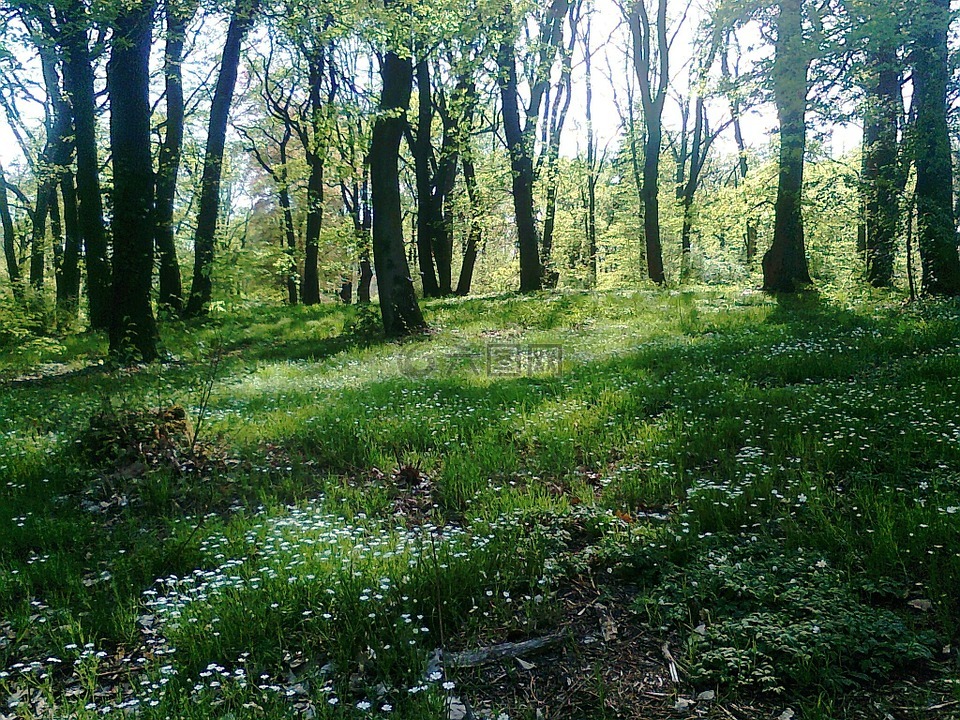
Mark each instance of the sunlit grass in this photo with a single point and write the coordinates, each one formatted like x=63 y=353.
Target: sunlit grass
x=680 y=425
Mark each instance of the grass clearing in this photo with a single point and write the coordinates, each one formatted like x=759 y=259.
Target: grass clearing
x=770 y=487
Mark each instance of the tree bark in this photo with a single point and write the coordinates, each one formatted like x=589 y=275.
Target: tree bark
x=398 y=301
x=936 y=226
x=422 y=149
x=78 y=81
x=554 y=124
x=881 y=167
x=288 y=226
x=521 y=165
x=38 y=234
x=201 y=289
x=474 y=231
x=785 y=263
x=57 y=159
x=688 y=193
x=68 y=275
x=9 y=240
x=133 y=332
x=653 y=74
x=313 y=141
x=457 y=113
x=593 y=169
x=178 y=16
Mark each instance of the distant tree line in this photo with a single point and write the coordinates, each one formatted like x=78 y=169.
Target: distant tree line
x=373 y=122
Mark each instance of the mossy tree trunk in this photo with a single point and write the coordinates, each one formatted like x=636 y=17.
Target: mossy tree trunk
x=398 y=301
x=78 y=79
x=133 y=332
x=785 y=263
x=936 y=225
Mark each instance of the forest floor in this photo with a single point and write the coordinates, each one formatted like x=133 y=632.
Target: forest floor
x=616 y=505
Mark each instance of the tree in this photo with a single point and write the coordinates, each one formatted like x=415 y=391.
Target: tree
x=875 y=36
x=398 y=301
x=593 y=163
x=178 y=14
x=55 y=176
x=352 y=136
x=471 y=247
x=436 y=172
x=314 y=138
x=936 y=224
x=133 y=332
x=651 y=62
x=73 y=25
x=278 y=96
x=421 y=145
x=785 y=263
x=521 y=135
x=556 y=108
x=732 y=86
x=9 y=239
x=201 y=288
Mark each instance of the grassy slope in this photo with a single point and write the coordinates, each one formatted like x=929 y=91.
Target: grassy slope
x=774 y=483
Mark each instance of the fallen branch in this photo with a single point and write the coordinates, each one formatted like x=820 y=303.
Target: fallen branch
x=672 y=664
x=494 y=653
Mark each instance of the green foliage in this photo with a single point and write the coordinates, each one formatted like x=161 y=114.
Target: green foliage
x=781 y=620
x=691 y=446
x=23 y=328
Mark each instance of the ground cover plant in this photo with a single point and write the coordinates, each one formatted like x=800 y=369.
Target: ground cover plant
x=717 y=503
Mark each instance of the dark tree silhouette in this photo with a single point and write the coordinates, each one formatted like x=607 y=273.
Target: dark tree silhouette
x=133 y=331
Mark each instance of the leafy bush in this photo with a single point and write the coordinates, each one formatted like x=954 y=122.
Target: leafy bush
x=21 y=326
x=768 y=619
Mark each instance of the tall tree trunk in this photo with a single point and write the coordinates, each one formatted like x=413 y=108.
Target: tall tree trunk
x=636 y=162
x=592 y=168
x=201 y=289
x=474 y=231
x=651 y=205
x=38 y=235
x=365 y=214
x=68 y=278
x=442 y=214
x=313 y=145
x=785 y=263
x=398 y=301
x=936 y=226
x=289 y=229
x=310 y=288
x=178 y=16
x=689 y=190
x=133 y=332
x=881 y=167
x=78 y=82
x=9 y=239
x=736 y=114
x=554 y=124
x=752 y=232
x=66 y=238
x=366 y=278
x=422 y=149
x=356 y=203
x=653 y=74
x=457 y=115
x=57 y=242
x=521 y=165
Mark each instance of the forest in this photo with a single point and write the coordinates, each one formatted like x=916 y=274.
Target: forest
x=460 y=359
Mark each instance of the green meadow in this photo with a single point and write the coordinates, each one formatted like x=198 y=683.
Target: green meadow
x=707 y=504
